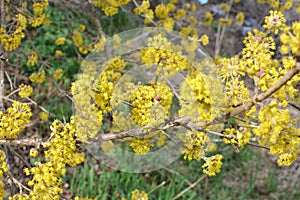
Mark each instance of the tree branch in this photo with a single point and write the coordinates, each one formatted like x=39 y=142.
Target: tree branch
x=288 y=76
x=21 y=142
x=2 y=60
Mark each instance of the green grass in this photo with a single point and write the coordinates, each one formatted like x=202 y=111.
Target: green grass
x=240 y=178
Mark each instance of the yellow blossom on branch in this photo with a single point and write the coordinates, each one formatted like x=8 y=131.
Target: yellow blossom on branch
x=208 y=19
x=225 y=22
x=204 y=39
x=212 y=165
x=44 y=116
x=161 y=11
x=224 y=7
x=25 y=90
x=77 y=38
x=13 y=122
x=38 y=78
x=141 y=145
x=58 y=53
x=32 y=58
x=240 y=18
x=57 y=74
x=60 y=41
x=275 y=22
x=194 y=143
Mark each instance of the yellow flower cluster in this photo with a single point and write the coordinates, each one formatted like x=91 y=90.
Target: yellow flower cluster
x=38 y=78
x=166 y=14
x=32 y=58
x=179 y=14
x=276 y=131
x=161 y=11
x=60 y=41
x=239 y=18
x=291 y=39
x=212 y=165
x=82 y=27
x=159 y=51
x=77 y=38
x=195 y=98
x=141 y=145
x=57 y=74
x=278 y=5
x=193 y=20
x=3 y=169
x=225 y=21
x=39 y=16
x=142 y=8
x=62 y=148
x=106 y=81
x=99 y=46
x=208 y=19
x=25 y=90
x=230 y=68
x=58 y=53
x=224 y=7
x=13 y=122
x=44 y=116
x=204 y=39
x=145 y=11
x=194 y=143
x=46 y=180
x=289 y=90
x=274 y=22
x=110 y=7
x=33 y=152
x=139 y=195
x=167 y=23
x=257 y=52
x=236 y=92
x=287 y=159
x=88 y=117
x=11 y=41
x=150 y=104
x=78 y=41
x=20 y=197
x=239 y=137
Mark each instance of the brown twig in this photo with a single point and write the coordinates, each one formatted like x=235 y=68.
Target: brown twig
x=288 y=76
x=258 y=145
x=21 y=142
x=2 y=61
x=188 y=188
x=97 y=22
x=143 y=130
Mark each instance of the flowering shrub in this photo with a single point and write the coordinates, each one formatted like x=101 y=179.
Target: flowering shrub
x=145 y=97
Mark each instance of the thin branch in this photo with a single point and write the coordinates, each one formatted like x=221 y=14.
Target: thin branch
x=2 y=61
x=143 y=130
x=3 y=14
x=97 y=22
x=178 y=174
x=21 y=142
x=258 y=145
x=294 y=105
x=288 y=76
x=9 y=80
x=188 y=188
x=215 y=133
